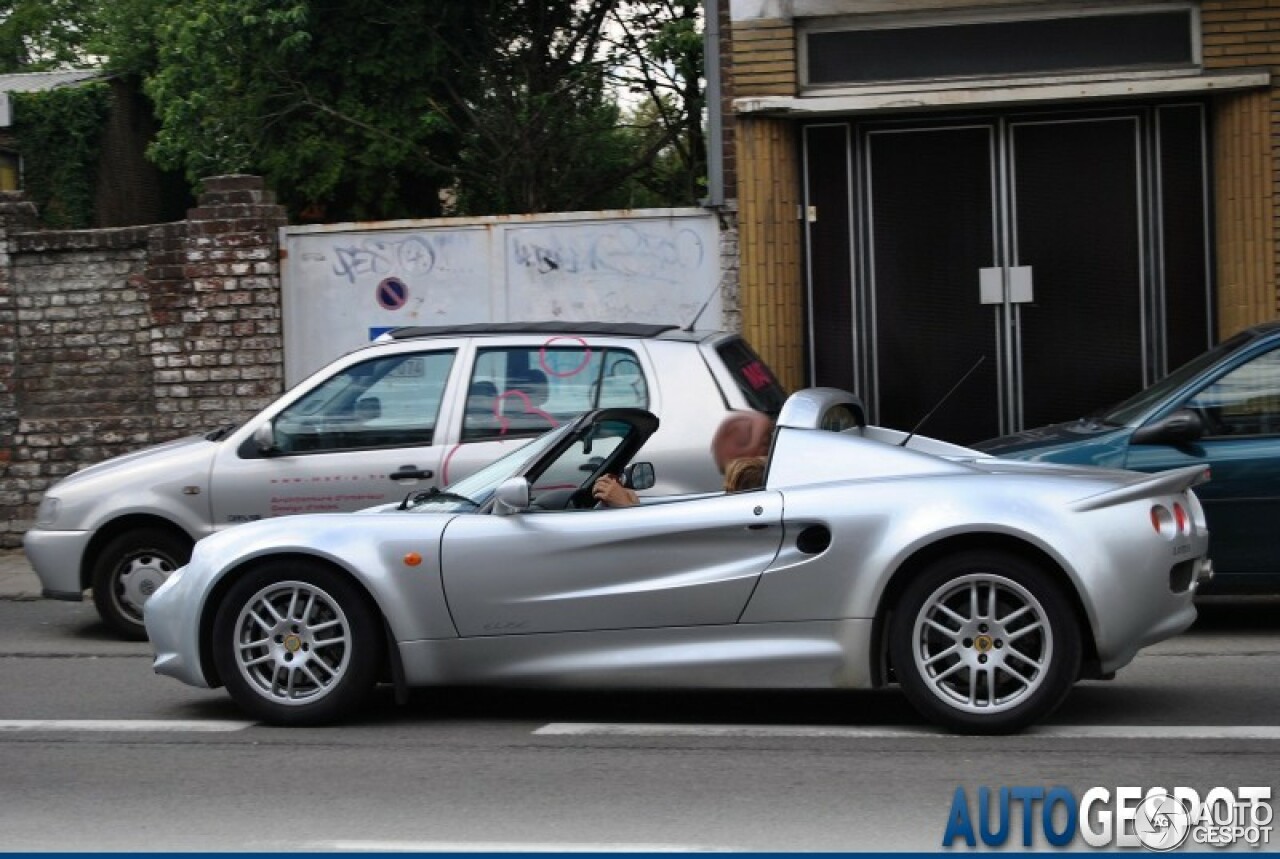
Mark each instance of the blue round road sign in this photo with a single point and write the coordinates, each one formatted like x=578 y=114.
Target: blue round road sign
x=392 y=293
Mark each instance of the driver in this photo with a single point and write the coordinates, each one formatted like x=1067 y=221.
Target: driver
x=740 y=448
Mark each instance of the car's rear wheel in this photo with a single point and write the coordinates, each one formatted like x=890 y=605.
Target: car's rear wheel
x=128 y=571
x=297 y=644
x=985 y=642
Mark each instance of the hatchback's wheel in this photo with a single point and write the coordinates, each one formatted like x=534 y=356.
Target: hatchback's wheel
x=297 y=644
x=984 y=642
x=128 y=571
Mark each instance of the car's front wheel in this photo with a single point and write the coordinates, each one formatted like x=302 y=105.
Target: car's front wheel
x=297 y=644
x=984 y=642
x=128 y=571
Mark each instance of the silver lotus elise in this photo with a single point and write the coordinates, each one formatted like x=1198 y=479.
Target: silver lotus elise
x=984 y=588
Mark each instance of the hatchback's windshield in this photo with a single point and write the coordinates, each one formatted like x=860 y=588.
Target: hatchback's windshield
x=1136 y=407
x=475 y=490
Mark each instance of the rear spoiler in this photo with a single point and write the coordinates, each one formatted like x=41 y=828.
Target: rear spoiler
x=1170 y=482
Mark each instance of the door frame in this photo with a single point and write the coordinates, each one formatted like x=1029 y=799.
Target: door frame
x=1153 y=341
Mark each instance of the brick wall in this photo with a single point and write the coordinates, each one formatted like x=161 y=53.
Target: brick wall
x=728 y=129
x=114 y=339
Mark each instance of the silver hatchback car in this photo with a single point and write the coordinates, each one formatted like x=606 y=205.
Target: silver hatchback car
x=419 y=408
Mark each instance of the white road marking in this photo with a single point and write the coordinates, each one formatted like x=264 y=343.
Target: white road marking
x=502 y=846
x=136 y=725
x=498 y=847
x=1064 y=732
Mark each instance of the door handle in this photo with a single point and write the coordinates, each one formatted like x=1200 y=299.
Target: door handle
x=992 y=285
x=409 y=472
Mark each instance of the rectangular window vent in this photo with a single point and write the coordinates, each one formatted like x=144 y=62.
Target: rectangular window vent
x=1136 y=40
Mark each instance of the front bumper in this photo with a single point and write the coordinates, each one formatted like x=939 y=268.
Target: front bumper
x=172 y=617
x=57 y=557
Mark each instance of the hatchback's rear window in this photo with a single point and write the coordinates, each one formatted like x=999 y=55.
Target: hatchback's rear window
x=754 y=378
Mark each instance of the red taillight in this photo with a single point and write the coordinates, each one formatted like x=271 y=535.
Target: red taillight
x=1180 y=518
x=1161 y=520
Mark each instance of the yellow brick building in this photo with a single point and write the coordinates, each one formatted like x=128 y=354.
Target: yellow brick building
x=1075 y=196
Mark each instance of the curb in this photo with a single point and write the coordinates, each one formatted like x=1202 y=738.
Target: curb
x=17 y=580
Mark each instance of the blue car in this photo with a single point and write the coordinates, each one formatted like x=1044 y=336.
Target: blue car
x=1222 y=410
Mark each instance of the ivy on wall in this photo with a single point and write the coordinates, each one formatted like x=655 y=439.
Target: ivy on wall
x=58 y=134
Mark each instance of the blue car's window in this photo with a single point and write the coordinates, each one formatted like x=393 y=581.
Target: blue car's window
x=1139 y=405
x=1244 y=402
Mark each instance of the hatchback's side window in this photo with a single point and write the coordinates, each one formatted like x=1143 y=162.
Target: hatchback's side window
x=527 y=390
x=1244 y=402
x=392 y=401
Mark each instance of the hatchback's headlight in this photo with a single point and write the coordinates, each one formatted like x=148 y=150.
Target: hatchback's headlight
x=48 y=511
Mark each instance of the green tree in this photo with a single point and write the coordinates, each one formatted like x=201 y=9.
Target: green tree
x=59 y=131
x=41 y=35
x=363 y=109
x=548 y=132
x=541 y=134
x=659 y=48
x=334 y=101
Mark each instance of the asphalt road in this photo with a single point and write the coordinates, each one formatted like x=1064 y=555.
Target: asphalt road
x=97 y=753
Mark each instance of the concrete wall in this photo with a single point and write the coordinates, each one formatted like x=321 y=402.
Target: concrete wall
x=114 y=339
x=346 y=283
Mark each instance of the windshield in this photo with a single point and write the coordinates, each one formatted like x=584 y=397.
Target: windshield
x=1134 y=409
x=472 y=492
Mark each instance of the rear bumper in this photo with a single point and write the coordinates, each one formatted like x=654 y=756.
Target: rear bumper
x=57 y=557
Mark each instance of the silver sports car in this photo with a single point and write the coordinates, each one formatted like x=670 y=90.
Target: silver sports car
x=983 y=587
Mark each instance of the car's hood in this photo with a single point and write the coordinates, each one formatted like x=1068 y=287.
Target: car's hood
x=173 y=457
x=1081 y=442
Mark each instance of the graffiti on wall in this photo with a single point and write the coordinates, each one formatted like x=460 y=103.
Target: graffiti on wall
x=635 y=271
x=341 y=287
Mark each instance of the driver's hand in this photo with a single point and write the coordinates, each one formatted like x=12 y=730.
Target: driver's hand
x=611 y=493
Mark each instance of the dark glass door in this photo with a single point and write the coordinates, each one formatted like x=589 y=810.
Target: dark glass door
x=1067 y=251
x=930 y=229
x=1077 y=225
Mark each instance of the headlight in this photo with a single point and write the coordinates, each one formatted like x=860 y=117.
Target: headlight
x=48 y=511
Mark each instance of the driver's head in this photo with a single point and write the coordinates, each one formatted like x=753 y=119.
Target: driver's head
x=741 y=434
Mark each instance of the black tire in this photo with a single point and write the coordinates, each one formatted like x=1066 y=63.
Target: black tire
x=1007 y=670
x=128 y=570
x=318 y=661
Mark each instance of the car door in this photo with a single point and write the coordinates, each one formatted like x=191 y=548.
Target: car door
x=365 y=435
x=1240 y=409
x=676 y=563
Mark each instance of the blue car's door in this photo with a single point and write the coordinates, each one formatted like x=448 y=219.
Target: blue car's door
x=681 y=563
x=1241 y=412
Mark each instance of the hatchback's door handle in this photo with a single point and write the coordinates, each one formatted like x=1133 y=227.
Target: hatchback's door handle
x=758 y=527
x=409 y=472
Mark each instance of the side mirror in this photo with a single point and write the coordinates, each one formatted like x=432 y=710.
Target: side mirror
x=1180 y=427
x=512 y=496
x=639 y=476
x=265 y=438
